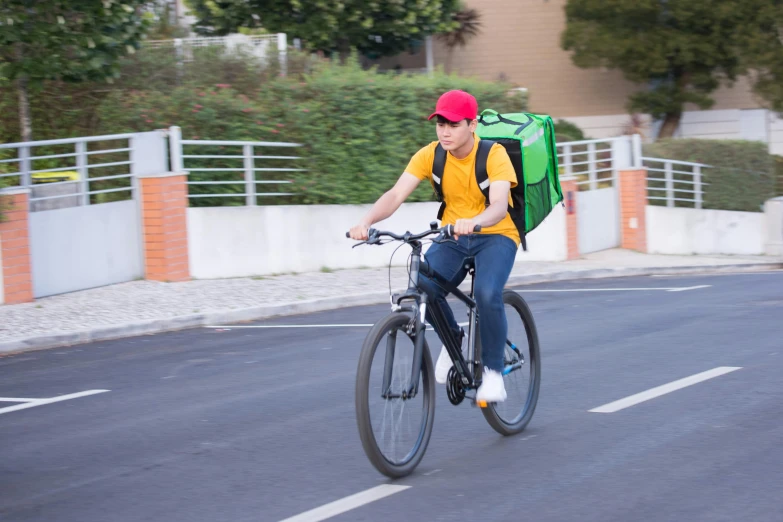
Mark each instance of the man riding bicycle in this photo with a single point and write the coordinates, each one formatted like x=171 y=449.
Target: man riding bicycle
x=494 y=248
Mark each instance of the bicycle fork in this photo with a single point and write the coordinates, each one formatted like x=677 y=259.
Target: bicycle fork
x=418 y=326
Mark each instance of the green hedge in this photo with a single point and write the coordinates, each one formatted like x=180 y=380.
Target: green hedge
x=359 y=128
x=743 y=173
x=64 y=110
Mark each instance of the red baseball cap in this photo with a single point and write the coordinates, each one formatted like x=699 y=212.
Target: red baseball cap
x=456 y=106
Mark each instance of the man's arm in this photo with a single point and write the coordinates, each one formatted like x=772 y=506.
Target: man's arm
x=498 y=205
x=493 y=214
x=386 y=204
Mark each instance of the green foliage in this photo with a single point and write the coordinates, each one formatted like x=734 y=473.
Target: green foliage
x=381 y=27
x=65 y=41
x=742 y=177
x=680 y=50
x=70 y=40
x=58 y=110
x=359 y=128
x=567 y=131
x=162 y=23
x=4 y=207
x=6 y=181
x=76 y=106
x=215 y=113
x=778 y=175
x=762 y=50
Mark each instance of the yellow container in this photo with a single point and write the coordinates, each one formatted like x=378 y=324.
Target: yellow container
x=55 y=177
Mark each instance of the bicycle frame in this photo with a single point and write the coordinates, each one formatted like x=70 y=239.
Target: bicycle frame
x=469 y=371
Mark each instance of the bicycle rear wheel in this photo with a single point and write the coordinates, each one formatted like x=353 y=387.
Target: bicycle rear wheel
x=521 y=379
x=394 y=429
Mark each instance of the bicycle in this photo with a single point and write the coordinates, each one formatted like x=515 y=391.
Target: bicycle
x=397 y=386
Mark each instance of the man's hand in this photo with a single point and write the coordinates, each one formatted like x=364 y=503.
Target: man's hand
x=463 y=227
x=359 y=232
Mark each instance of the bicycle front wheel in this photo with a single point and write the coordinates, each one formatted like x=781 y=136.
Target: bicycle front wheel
x=522 y=370
x=394 y=428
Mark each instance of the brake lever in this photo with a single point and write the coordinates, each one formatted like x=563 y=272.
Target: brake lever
x=443 y=239
x=371 y=240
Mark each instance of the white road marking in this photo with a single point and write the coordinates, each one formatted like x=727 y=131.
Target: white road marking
x=268 y=326
x=346 y=504
x=754 y=272
x=31 y=403
x=689 y=288
x=12 y=399
x=524 y=291
x=652 y=393
x=432 y=472
x=640 y=289
x=293 y=326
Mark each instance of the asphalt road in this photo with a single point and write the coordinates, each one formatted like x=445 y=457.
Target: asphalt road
x=258 y=424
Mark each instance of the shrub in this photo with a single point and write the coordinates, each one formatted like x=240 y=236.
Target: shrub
x=567 y=131
x=742 y=177
x=359 y=128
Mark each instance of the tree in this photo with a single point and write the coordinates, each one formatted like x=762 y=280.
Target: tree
x=381 y=27
x=467 y=25
x=69 y=40
x=761 y=44
x=680 y=50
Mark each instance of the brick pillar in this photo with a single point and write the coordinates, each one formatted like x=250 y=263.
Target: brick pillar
x=633 y=205
x=16 y=269
x=570 y=188
x=164 y=221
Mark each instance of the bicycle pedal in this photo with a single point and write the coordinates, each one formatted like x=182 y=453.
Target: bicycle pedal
x=481 y=404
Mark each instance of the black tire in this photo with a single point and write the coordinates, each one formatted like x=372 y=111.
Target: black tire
x=390 y=467
x=496 y=414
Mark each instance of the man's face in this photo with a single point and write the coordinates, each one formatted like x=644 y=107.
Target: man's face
x=453 y=135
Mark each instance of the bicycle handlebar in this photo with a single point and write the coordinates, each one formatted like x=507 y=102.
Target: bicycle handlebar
x=447 y=232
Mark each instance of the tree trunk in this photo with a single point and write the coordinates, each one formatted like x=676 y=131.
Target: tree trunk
x=670 y=124
x=24 y=109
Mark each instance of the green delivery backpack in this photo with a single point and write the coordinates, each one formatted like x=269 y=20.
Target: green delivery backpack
x=529 y=140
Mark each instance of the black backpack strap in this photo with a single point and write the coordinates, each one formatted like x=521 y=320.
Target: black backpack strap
x=482 y=177
x=501 y=119
x=438 y=166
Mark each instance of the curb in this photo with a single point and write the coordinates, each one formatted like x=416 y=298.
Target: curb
x=255 y=313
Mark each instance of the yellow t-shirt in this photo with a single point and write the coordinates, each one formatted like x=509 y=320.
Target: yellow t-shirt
x=463 y=197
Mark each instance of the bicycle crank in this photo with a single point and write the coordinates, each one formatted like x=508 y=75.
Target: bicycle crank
x=454 y=387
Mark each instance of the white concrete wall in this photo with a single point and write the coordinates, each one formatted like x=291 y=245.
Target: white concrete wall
x=775 y=135
x=246 y=241
x=718 y=125
x=2 y=285
x=686 y=231
x=608 y=126
x=773 y=211
x=727 y=124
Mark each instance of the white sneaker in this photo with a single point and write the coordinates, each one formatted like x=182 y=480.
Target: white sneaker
x=443 y=366
x=492 y=388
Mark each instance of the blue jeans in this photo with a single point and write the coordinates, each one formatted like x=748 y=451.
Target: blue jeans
x=494 y=255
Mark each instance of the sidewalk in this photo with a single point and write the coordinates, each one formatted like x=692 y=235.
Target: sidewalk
x=143 y=307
